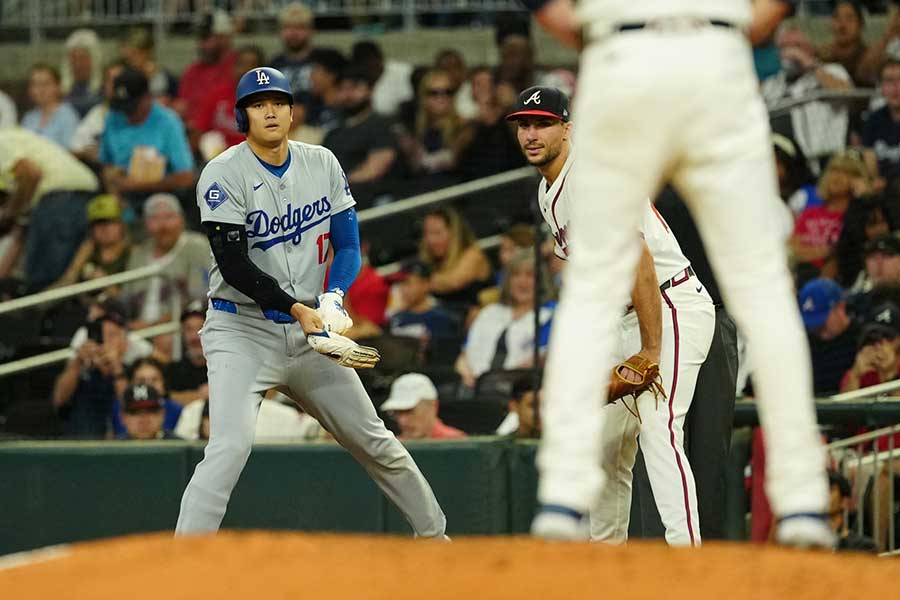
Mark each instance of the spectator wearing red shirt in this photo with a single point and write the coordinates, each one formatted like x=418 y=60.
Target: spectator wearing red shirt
x=413 y=404
x=818 y=228
x=876 y=360
x=217 y=108
x=215 y=65
x=367 y=298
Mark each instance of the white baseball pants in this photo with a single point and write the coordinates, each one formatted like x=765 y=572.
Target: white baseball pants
x=684 y=106
x=688 y=324
x=246 y=357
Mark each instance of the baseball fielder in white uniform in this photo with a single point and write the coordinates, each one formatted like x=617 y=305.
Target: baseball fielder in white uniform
x=272 y=208
x=678 y=339
x=667 y=92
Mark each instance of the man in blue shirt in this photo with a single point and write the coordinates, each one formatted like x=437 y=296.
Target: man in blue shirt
x=881 y=132
x=144 y=149
x=421 y=316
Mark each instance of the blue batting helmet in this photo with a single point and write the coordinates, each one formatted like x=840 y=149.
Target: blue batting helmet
x=255 y=81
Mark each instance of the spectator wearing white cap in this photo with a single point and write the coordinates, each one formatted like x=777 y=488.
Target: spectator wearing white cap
x=297 y=28
x=186 y=277
x=413 y=404
x=81 y=70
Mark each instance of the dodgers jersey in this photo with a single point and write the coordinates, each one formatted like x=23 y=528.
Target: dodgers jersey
x=287 y=218
x=554 y=202
x=611 y=12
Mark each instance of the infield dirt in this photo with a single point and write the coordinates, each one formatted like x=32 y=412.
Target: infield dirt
x=275 y=566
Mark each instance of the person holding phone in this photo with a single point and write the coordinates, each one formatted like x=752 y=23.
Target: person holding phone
x=95 y=376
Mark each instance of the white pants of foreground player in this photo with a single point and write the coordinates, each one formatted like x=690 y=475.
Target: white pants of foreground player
x=247 y=356
x=684 y=106
x=688 y=321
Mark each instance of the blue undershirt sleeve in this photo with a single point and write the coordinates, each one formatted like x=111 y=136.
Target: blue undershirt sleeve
x=345 y=241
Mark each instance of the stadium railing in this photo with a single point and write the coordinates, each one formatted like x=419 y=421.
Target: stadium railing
x=401 y=207
x=872 y=475
x=36 y=16
x=49 y=296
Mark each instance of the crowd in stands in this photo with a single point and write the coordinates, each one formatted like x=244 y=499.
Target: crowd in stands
x=97 y=178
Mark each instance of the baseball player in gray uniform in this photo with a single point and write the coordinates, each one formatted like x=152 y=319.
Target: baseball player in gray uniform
x=271 y=209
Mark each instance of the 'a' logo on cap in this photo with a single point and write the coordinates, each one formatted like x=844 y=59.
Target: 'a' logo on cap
x=884 y=316
x=535 y=97
x=261 y=77
x=809 y=304
x=140 y=393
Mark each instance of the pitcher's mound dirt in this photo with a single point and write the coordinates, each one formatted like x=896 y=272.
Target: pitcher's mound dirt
x=274 y=566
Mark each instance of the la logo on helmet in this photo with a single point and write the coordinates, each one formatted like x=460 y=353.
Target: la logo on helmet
x=535 y=97
x=261 y=77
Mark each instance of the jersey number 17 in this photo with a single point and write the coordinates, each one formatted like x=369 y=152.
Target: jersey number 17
x=323 y=246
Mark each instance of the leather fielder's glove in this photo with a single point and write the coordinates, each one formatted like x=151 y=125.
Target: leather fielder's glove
x=649 y=380
x=343 y=350
x=331 y=309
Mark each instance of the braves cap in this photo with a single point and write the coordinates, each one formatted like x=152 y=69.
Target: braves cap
x=817 y=298
x=875 y=333
x=142 y=397
x=541 y=101
x=408 y=390
x=128 y=88
x=886 y=314
x=886 y=243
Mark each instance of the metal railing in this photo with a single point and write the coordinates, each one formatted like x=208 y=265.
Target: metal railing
x=157 y=269
x=35 y=15
x=873 y=392
x=871 y=472
x=848 y=97
x=414 y=203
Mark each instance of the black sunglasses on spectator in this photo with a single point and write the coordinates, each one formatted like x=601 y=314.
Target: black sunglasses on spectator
x=439 y=92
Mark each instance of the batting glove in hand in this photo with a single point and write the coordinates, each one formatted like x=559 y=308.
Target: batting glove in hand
x=343 y=350
x=331 y=309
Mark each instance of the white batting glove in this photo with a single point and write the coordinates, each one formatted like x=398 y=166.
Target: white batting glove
x=343 y=350
x=331 y=309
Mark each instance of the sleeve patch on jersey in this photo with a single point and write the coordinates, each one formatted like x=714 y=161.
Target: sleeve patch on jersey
x=215 y=196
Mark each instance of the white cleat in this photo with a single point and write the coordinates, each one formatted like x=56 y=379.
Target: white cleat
x=806 y=532
x=561 y=524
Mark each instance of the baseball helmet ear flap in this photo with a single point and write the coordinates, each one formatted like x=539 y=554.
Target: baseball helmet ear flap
x=255 y=81
x=240 y=116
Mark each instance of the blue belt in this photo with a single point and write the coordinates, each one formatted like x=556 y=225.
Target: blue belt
x=228 y=306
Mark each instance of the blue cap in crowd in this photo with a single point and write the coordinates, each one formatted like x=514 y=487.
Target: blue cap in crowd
x=817 y=298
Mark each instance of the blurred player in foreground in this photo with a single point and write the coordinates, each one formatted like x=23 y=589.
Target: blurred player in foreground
x=703 y=126
x=676 y=336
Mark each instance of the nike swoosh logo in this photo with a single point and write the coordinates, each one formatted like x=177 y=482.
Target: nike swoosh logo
x=699 y=289
x=257 y=186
